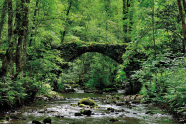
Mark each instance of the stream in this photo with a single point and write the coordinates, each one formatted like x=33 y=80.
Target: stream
x=63 y=108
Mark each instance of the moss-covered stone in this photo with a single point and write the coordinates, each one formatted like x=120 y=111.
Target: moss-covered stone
x=47 y=120
x=2 y=119
x=77 y=114
x=86 y=112
x=113 y=119
x=82 y=105
x=116 y=96
x=36 y=122
x=87 y=101
x=14 y=117
x=110 y=109
x=74 y=105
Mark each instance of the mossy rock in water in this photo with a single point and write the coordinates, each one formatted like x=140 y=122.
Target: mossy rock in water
x=2 y=119
x=77 y=114
x=74 y=105
x=88 y=101
x=115 y=96
x=110 y=109
x=150 y=112
x=82 y=105
x=113 y=119
x=86 y=112
x=36 y=122
x=47 y=120
x=14 y=117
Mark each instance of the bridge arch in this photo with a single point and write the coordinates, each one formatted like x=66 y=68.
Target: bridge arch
x=71 y=50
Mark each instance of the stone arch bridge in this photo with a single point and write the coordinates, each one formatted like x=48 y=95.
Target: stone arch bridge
x=71 y=50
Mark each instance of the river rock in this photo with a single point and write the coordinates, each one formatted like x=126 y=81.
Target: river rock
x=74 y=105
x=14 y=117
x=77 y=114
x=2 y=119
x=136 y=101
x=113 y=119
x=122 y=110
x=149 y=112
x=82 y=105
x=88 y=101
x=182 y=121
x=86 y=112
x=42 y=111
x=120 y=103
x=110 y=109
x=59 y=116
x=47 y=120
x=36 y=122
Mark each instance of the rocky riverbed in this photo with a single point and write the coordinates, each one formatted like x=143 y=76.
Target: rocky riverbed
x=111 y=108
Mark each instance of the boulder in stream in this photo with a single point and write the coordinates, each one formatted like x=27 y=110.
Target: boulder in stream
x=74 y=105
x=47 y=120
x=14 y=117
x=88 y=101
x=113 y=119
x=150 y=112
x=86 y=112
x=110 y=109
x=77 y=114
x=36 y=122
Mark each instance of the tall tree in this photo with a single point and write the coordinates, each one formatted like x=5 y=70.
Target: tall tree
x=7 y=61
x=183 y=23
x=67 y=21
x=3 y=17
x=34 y=23
x=126 y=5
x=153 y=24
x=22 y=33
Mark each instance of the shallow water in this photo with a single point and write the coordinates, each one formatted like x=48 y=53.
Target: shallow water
x=134 y=115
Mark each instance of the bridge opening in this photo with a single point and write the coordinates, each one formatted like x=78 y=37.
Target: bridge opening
x=92 y=71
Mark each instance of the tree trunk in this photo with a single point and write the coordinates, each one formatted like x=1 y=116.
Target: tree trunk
x=153 y=29
x=124 y=17
x=3 y=17
x=19 y=31
x=34 y=26
x=25 y=25
x=184 y=5
x=22 y=31
x=64 y=32
x=10 y=27
x=83 y=68
x=7 y=62
x=183 y=23
x=126 y=28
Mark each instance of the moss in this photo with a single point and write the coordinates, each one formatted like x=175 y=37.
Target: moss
x=14 y=117
x=74 y=105
x=87 y=101
x=110 y=109
x=116 y=96
x=2 y=119
x=82 y=105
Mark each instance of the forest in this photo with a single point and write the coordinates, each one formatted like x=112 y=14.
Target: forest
x=148 y=35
